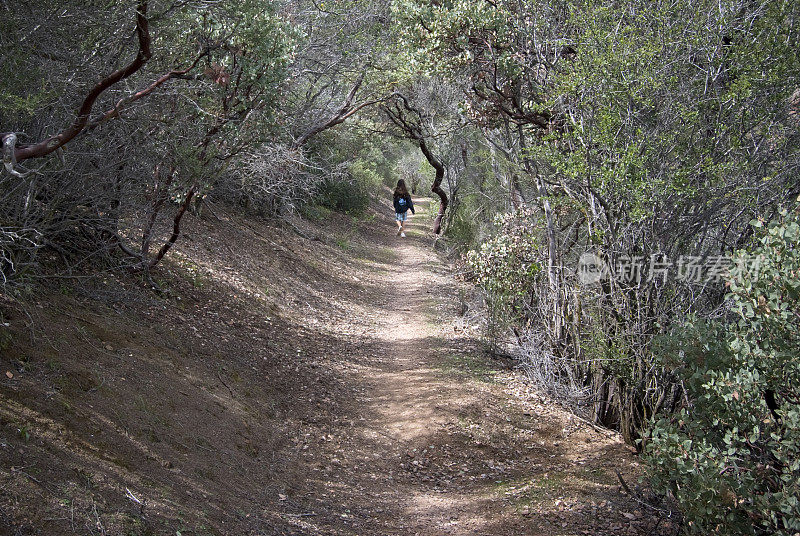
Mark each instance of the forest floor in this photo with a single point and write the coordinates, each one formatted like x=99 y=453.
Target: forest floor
x=320 y=384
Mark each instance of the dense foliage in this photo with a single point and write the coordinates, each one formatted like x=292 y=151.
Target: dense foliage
x=644 y=136
x=143 y=127
x=645 y=133
x=107 y=144
x=731 y=454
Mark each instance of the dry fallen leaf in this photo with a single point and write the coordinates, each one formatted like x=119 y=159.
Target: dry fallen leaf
x=9 y=374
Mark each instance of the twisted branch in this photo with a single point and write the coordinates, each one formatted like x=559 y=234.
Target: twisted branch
x=52 y=143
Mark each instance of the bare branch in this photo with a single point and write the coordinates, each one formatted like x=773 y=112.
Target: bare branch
x=9 y=157
x=122 y=103
x=176 y=228
x=345 y=111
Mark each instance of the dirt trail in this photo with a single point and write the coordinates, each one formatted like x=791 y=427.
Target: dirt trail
x=443 y=440
x=312 y=383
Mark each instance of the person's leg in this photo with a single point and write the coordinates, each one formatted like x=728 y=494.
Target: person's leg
x=399 y=226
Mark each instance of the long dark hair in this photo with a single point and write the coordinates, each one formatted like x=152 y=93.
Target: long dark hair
x=401 y=190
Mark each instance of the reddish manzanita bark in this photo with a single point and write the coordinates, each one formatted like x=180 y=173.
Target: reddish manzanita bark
x=436 y=187
x=57 y=141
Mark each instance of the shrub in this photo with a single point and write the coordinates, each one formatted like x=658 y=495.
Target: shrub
x=507 y=263
x=273 y=179
x=351 y=195
x=731 y=455
x=462 y=230
x=506 y=267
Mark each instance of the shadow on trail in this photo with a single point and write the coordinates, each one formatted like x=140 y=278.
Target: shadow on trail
x=299 y=387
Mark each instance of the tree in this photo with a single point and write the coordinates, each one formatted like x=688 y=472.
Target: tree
x=410 y=121
x=202 y=86
x=630 y=148
x=338 y=68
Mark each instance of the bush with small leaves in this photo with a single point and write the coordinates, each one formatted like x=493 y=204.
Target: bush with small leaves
x=731 y=455
x=507 y=263
x=351 y=194
x=506 y=267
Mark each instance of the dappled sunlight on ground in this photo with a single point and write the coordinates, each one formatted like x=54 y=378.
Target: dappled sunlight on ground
x=321 y=384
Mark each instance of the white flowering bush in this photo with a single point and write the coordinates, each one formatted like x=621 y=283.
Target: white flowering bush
x=506 y=267
x=507 y=264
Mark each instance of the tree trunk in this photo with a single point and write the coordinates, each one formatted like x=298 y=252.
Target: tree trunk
x=437 y=184
x=176 y=229
x=556 y=312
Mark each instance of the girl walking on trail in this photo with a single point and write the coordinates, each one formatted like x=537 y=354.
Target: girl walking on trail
x=402 y=204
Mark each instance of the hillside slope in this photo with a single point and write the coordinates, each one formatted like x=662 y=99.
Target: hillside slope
x=289 y=386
